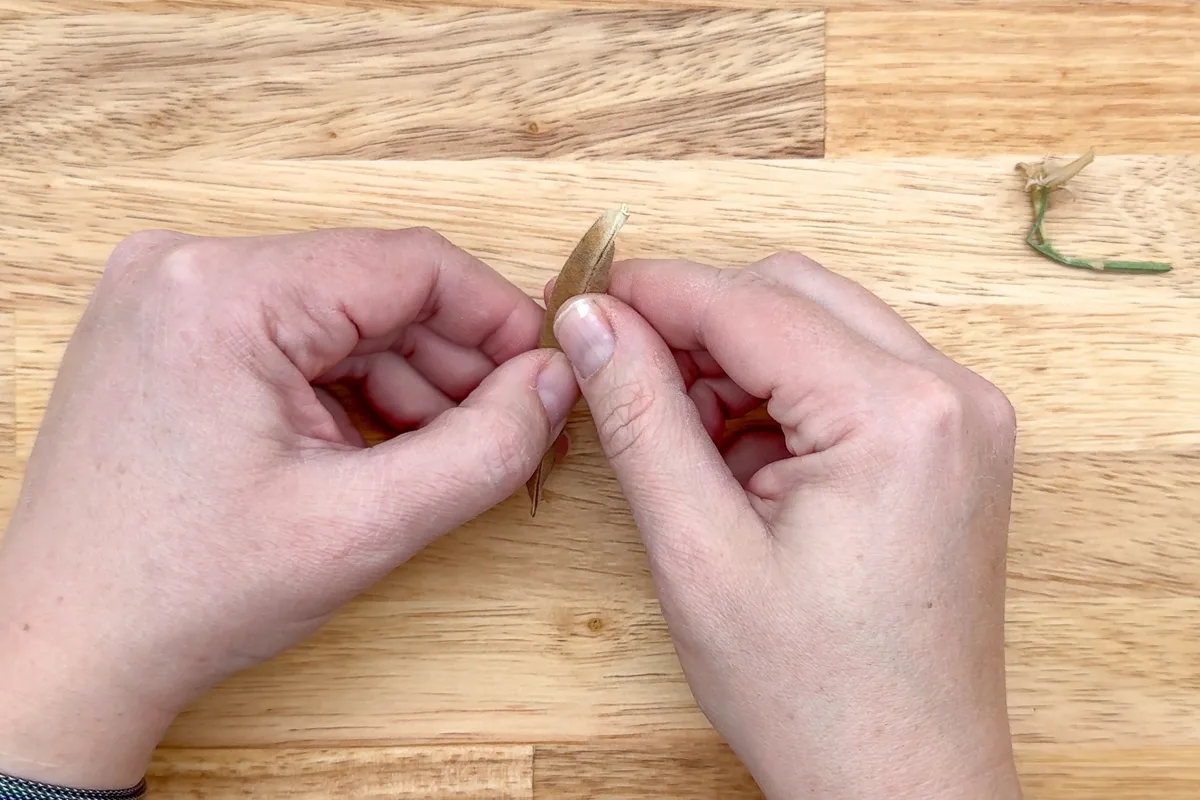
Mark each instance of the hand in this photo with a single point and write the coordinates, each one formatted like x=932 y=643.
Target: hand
x=194 y=505
x=834 y=581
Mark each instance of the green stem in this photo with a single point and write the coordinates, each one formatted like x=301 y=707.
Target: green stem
x=1040 y=196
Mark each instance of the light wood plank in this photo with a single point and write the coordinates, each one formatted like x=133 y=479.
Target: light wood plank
x=437 y=669
x=1101 y=670
x=43 y=7
x=684 y=768
x=445 y=83
x=1018 y=76
x=425 y=773
x=1101 y=544
x=1109 y=773
x=1100 y=381
x=1111 y=521
x=1105 y=380
x=1091 y=376
x=687 y=768
x=935 y=231
x=1105 y=525
x=10 y=466
x=1081 y=670
x=8 y=387
x=703 y=767
x=11 y=472
x=546 y=633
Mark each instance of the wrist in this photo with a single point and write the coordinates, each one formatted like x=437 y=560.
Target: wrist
x=72 y=716
x=997 y=782
x=973 y=763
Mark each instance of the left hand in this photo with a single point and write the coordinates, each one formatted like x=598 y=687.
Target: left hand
x=195 y=503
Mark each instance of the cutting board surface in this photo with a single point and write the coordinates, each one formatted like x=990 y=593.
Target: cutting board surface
x=522 y=658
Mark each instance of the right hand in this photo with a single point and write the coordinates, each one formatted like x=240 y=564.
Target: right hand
x=833 y=583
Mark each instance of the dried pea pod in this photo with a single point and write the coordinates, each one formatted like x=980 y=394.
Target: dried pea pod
x=585 y=272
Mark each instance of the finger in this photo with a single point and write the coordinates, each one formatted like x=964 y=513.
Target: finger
x=719 y=400
x=850 y=302
x=708 y=367
x=142 y=246
x=735 y=401
x=350 y=434
x=710 y=410
x=682 y=494
x=752 y=451
x=407 y=491
x=679 y=290
x=697 y=364
x=320 y=293
x=717 y=397
x=776 y=344
x=454 y=369
x=401 y=395
x=548 y=291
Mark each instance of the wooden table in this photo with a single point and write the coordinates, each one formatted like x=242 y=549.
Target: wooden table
x=520 y=659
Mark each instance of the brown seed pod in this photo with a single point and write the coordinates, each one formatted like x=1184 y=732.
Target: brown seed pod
x=585 y=272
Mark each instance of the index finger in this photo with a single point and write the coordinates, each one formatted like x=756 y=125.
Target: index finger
x=327 y=291
x=766 y=337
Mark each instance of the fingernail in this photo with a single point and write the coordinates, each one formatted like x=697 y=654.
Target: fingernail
x=583 y=331
x=557 y=390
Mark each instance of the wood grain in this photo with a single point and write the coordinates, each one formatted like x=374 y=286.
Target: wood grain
x=8 y=389
x=1109 y=773
x=705 y=768
x=10 y=466
x=417 y=84
x=690 y=768
x=932 y=231
x=1105 y=525
x=1081 y=670
x=1084 y=522
x=44 y=7
x=428 y=773
x=1020 y=76
x=1063 y=391
x=701 y=766
x=560 y=616
x=518 y=658
x=973 y=284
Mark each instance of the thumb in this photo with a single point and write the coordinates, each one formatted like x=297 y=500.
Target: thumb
x=423 y=484
x=681 y=492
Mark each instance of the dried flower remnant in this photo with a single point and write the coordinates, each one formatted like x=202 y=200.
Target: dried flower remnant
x=1045 y=180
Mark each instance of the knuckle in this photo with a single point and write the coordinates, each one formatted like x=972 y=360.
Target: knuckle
x=134 y=247
x=996 y=410
x=781 y=264
x=625 y=423
x=938 y=405
x=923 y=412
x=423 y=237
x=935 y=414
x=789 y=259
x=187 y=267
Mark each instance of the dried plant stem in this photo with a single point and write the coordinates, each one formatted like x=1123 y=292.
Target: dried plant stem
x=1041 y=182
